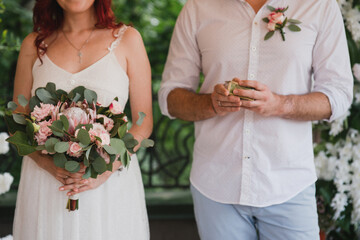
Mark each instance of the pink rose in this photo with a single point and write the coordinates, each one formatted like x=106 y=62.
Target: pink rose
x=99 y=131
x=75 y=116
x=75 y=150
x=108 y=122
x=44 y=132
x=271 y=26
x=115 y=107
x=104 y=155
x=39 y=113
x=276 y=17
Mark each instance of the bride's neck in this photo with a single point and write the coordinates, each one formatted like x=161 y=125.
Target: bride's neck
x=78 y=22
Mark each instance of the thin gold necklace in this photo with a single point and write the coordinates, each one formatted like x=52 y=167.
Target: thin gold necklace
x=80 y=54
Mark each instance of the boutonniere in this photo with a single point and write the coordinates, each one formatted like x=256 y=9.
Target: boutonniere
x=277 y=21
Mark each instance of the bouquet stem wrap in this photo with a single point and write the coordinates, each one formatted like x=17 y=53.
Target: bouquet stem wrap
x=73 y=203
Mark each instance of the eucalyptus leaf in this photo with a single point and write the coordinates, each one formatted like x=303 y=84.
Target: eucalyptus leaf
x=22 y=100
x=61 y=147
x=75 y=92
x=65 y=122
x=20 y=140
x=90 y=96
x=87 y=173
x=56 y=131
x=58 y=125
x=109 y=149
x=84 y=137
x=19 y=119
x=72 y=166
x=60 y=160
x=40 y=147
x=44 y=96
x=269 y=35
x=34 y=101
x=51 y=87
x=122 y=130
x=12 y=105
x=87 y=154
x=266 y=20
x=130 y=141
x=109 y=167
x=294 y=21
x=271 y=8
x=294 y=28
x=50 y=144
x=12 y=125
x=147 y=143
x=141 y=118
x=30 y=131
x=99 y=165
x=86 y=162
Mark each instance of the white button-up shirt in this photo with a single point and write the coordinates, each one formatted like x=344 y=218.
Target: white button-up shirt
x=243 y=157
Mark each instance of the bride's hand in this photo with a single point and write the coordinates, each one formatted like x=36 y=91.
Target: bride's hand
x=46 y=162
x=90 y=183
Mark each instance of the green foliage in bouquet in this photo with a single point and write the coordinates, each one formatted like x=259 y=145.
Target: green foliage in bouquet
x=23 y=128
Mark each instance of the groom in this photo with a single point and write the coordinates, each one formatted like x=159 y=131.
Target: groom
x=253 y=171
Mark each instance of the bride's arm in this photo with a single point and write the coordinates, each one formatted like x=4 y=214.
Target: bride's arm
x=22 y=85
x=139 y=72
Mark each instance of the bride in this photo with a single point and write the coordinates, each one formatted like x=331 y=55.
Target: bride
x=78 y=43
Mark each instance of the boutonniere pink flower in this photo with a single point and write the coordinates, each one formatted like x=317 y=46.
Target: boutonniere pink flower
x=278 y=21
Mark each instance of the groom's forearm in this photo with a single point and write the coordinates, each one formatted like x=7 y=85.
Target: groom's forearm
x=190 y=106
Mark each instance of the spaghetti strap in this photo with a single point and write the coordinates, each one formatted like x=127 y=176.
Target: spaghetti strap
x=118 y=36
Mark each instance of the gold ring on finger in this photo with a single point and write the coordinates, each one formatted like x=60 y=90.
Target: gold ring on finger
x=219 y=103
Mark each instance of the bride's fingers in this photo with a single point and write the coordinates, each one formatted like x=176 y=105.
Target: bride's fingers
x=60 y=179
x=83 y=188
x=74 y=185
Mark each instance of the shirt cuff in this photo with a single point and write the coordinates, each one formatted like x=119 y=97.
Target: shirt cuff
x=162 y=96
x=339 y=102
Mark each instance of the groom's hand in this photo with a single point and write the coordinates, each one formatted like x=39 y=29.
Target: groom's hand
x=222 y=102
x=265 y=102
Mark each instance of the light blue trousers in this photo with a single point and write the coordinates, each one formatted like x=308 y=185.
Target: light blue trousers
x=295 y=219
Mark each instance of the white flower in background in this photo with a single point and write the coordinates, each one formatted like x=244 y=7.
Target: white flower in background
x=4 y=145
x=352 y=22
x=357 y=98
x=5 y=182
x=8 y=237
x=338 y=204
x=338 y=125
x=325 y=166
x=356 y=70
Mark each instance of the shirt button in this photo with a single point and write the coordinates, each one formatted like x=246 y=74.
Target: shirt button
x=247 y=131
x=251 y=76
x=72 y=81
x=253 y=48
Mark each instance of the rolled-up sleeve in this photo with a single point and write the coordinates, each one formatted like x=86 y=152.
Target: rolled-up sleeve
x=331 y=62
x=182 y=68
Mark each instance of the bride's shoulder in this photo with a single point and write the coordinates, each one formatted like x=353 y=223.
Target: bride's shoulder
x=132 y=38
x=28 y=44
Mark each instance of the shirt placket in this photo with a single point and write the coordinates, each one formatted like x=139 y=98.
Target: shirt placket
x=248 y=183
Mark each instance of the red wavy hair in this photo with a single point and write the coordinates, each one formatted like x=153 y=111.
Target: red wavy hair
x=48 y=17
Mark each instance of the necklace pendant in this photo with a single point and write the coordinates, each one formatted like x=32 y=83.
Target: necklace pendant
x=80 y=56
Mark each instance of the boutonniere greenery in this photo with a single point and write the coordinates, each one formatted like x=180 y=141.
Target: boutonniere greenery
x=278 y=21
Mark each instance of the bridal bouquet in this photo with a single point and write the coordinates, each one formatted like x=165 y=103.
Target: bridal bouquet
x=74 y=129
